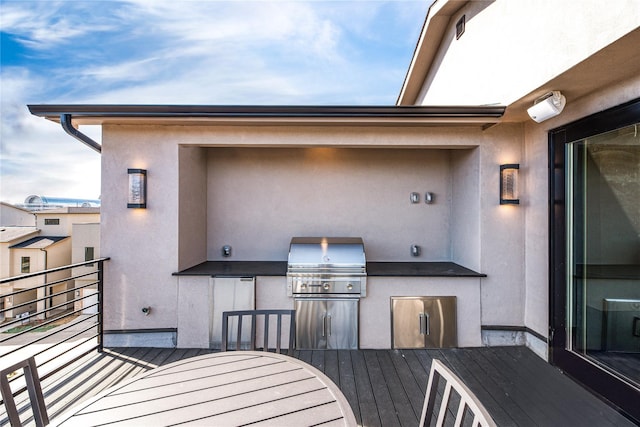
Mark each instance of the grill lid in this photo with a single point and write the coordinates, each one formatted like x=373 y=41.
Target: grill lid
x=326 y=253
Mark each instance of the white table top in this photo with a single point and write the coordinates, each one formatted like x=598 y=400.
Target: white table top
x=220 y=389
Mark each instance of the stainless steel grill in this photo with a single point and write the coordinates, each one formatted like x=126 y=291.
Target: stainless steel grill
x=326 y=266
x=326 y=276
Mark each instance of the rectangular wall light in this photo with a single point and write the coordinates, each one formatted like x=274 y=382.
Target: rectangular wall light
x=509 y=184
x=137 y=188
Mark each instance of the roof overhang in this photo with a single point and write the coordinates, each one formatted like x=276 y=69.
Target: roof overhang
x=435 y=26
x=83 y=114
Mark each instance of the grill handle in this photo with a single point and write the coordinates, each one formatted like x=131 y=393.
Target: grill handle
x=424 y=324
x=324 y=325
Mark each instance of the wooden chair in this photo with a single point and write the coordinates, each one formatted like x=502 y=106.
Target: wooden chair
x=468 y=401
x=33 y=387
x=264 y=316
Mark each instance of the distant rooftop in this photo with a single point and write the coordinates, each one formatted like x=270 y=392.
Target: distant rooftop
x=39 y=242
x=39 y=203
x=7 y=234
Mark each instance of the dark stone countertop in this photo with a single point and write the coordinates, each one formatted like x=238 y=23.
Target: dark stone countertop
x=236 y=268
x=420 y=269
x=279 y=268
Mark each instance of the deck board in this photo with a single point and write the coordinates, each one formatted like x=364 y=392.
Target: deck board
x=384 y=387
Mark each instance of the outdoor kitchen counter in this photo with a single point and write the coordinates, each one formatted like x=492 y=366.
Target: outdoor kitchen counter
x=279 y=268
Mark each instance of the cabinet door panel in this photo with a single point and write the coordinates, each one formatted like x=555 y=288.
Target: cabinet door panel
x=310 y=328
x=342 y=324
x=406 y=322
x=440 y=322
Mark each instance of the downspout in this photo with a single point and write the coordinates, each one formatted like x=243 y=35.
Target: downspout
x=47 y=290
x=65 y=122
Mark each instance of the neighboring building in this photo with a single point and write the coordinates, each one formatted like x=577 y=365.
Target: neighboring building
x=44 y=246
x=86 y=247
x=38 y=254
x=60 y=222
x=10 y=236
x=253 y=177
x=14 y=216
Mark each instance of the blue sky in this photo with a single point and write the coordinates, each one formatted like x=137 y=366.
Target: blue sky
x=182 y=52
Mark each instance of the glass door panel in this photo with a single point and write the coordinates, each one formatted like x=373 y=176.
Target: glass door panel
x=603 y=247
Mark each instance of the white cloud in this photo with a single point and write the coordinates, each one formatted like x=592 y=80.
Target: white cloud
x=36 y=155
x=184 y=52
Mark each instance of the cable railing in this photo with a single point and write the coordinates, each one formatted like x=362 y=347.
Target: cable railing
x=53 y=315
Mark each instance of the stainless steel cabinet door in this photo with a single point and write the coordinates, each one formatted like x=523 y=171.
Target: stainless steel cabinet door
x=407 y=318
x=424 y=322
x=326 y=323
x=440 y=323
x=310 y=326
x=342 y=323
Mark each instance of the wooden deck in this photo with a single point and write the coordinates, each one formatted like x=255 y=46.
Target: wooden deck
x=384 y=387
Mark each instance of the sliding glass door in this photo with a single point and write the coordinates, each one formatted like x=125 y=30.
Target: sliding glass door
x=603 y=214
x=595 y=252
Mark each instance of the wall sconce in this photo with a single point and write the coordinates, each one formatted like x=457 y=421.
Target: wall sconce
x=509 y=184
x=548 y=105
x=137 y=188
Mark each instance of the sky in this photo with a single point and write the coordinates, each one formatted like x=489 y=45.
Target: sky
x=193 y=52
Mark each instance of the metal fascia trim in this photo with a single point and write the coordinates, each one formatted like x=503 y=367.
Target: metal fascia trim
x=52 y=112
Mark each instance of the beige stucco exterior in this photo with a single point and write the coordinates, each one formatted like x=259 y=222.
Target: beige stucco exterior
x=65 y=218
x=256 y=187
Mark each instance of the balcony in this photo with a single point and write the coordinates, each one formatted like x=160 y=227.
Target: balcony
x=383 y=387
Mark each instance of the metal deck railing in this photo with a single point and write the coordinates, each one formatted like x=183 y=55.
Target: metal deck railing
x=53 y=315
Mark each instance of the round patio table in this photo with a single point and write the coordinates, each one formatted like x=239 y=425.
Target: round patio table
x=220 y=389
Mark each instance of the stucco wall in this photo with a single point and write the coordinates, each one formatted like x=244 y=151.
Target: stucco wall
x=142 y=243
x=192 y=206
x=259 y=192
x=476 y=70
x=65 y=227
x=260 y=198
x=537 y=213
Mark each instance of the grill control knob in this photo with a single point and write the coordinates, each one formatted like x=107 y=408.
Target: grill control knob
x=325 y=286
x=303 y=286
x=349 y=286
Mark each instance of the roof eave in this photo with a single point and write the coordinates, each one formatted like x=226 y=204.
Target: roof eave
x=84 y=114
x=433 y=30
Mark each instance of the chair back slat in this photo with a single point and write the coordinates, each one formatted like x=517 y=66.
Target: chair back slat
x=265 y=316
x=468 y=401
x=33 y=387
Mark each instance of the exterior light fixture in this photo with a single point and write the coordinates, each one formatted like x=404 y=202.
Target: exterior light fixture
x=549 y=105
x=509 y=184
x=137 y=188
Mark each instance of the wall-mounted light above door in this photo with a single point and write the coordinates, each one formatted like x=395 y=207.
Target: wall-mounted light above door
x=509 y=184
x=137 y=188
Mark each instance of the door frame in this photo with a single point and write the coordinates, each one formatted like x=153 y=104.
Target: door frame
x=610 y=387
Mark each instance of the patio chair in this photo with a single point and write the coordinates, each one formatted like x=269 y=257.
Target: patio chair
x=33 y=387
x=261 y=318
x=468 y=401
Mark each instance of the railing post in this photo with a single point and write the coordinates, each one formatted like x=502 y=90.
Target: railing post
x=100 y=305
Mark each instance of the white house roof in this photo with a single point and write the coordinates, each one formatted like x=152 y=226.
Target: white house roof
x=615 y=62
x=9 y=234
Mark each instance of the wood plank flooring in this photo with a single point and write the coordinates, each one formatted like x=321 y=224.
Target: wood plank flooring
x=384 y=387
